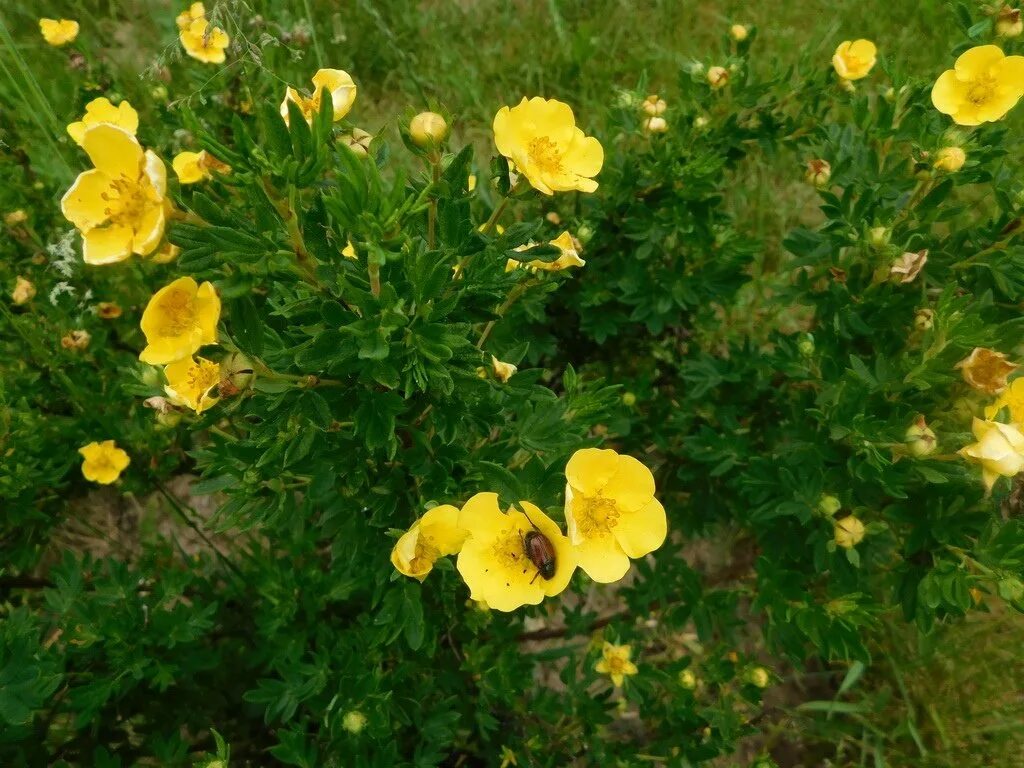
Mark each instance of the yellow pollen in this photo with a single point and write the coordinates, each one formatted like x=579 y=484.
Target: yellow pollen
x=508 y=549
x=595 y=516
x=616 y=664
x=982 y=90
x=426 y=554
x=545 y=154
x=204 y=376
x=178 y=313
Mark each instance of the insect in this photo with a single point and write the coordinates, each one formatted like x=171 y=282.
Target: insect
x=540 y=551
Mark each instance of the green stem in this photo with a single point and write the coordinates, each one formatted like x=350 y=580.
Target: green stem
x=513 y=297
x=435 y=173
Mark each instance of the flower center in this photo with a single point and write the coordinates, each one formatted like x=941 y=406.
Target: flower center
x=204 y=376
x=616 y=665
x=508 y=550
x=178 y=313
x=426 y=554
x=595 y=516
x=981 y=90
x=545 y=154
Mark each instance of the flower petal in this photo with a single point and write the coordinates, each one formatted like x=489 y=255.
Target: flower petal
x=590 y=469
x=632 y=485
x=107 y=245
x=441 y=526
x=113 y=150
x=976 y=62
x=83 y=205
x=643 y=531
x=948 y=93
x=602 y=559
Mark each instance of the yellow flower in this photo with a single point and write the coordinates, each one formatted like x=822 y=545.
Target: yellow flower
x=615 y=662
x=24 y=291
x=102 y=111
x=119 y=206
x=611 y=512
x=190 y=382
x=982 y=87
x=179 y=319
x=738 y=32
x=349 y=251
x=194 y=12
x=58 y=32
x=435 y=535
x=204 y=42
x=341 y=87
x=986 y=370
x=503 y=371
x=569 y=256
x=193 y=167
x=999 y=450
x=950 y=159
x=1012 y=399
x=428 y=129
x=541 y=139
x=848 y=531
x=852 y=61
x=718 y=77
x=103 y=462
x=494 y=562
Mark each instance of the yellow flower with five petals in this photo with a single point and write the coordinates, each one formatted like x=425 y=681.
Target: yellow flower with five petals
x=982 y=87
x=204 y=42
x=616 y=662
x=435 y=535
x=58 y=32
x=493 y=560
x=854 y=60
x=102 y=111
x=119 y=206
x=611 y=512
x=999 y=450
x=336 y=81
x=179 y=319
x=539 y=136
x=103 y=462
x=191 y=381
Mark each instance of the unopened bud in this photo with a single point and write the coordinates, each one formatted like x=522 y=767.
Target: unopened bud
x=159 y=92
x=354 y=721
x=818 y=172
x=829 y=505
x=700 y=122
x=805 y=345
x=358 y=141
x=878 y=237
x=655 y=125
x=428 y=130
x=628 y=399
x=924 y=319
x=847 y=85
x=950 y=159
x=920 y=438
x=14 y=218
x=552 y=217
x=654 y=106
x=76 y=340
x=168 y=420
x=759 y=676
x=236 y=370
x=718 y=77
x=848 y=532
x=24 y=291
x=108 y=310
x=889 y=94
x=687 y=679
x=1009 y=23
x=738 y=32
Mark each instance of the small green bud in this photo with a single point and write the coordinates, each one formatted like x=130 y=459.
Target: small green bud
x=354 y=721
x=920 y=439
x=687 y=679
x=759 y=677
x=628 y=399
x=158 y=93
x=924 y=319
x=806 y=344
x=878 y=237
x=829 y=505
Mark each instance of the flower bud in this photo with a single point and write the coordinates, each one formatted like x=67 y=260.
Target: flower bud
x=108 y=310
x=14 y=218
x=502 y=371
x=654 y=106
x=889 y=94
x=848 y=532
x=236 y=372
x=687 y=679
x=700 y=122
x=428 y=130
x=920 y=438
x=847 y=85
x=829 y=505
x=924 y=319
x=878 y=237
x=718 y=77
x=738 y=32
x=24 y=291
x=354 y=721
x=552 y=217
x=76 y=340
x=628 y=399
x=759 y=677
x=950 y=159
x=655 y=125
x=818 y=172
x=1009 y=23
x=358 y=141
x=159 y=93
x=805 y=345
